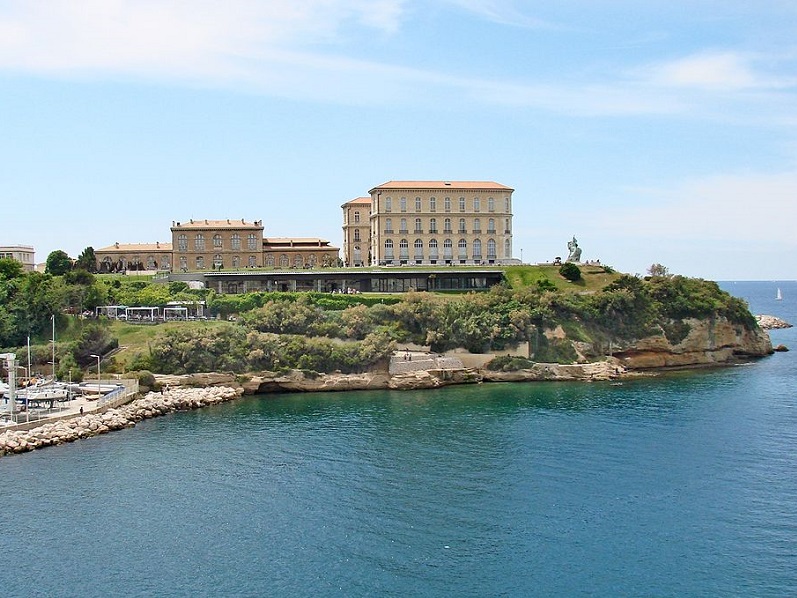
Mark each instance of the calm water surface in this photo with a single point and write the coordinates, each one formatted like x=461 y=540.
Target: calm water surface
x=680 y=486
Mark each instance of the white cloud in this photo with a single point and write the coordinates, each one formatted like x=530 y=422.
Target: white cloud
x=717 y=71
x=503 y=12
x=743 y=207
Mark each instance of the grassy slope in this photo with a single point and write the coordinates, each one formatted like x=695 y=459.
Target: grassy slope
x=593 y=278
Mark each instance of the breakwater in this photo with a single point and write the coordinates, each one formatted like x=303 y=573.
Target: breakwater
x=153 y=404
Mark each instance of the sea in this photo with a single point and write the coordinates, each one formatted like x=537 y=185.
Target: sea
x=683 y=484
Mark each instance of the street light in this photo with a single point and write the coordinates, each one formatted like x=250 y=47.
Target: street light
x=98 y=374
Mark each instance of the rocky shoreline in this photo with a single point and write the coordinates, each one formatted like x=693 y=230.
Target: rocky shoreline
x=153 y=404
x=771 y=322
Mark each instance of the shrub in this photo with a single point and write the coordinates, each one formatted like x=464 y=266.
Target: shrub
x=570 y=271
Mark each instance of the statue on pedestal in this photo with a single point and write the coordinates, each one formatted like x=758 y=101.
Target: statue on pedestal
x=575 y=251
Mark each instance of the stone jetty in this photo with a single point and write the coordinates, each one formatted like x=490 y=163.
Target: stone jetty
x=153 y=404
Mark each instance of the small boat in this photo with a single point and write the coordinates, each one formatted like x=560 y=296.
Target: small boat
x=779 y=295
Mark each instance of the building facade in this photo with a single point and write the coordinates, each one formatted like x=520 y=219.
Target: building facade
x=437 y=223
x=357 y=232
x=215 y=245
x=121 y=257
x=21 y=253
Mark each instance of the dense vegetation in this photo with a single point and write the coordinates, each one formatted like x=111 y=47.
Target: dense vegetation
x=348 y=333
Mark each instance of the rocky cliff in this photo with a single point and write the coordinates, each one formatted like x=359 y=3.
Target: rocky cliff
x=708 y=342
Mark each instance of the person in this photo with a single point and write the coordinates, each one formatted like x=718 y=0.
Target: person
x=81 y=410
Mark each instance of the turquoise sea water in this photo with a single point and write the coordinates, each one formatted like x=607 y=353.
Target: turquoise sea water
x=684 y=485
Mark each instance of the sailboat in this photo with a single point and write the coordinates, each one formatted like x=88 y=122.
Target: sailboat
x=779 y=295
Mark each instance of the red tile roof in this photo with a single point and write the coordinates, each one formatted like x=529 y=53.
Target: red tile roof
x=463 y=185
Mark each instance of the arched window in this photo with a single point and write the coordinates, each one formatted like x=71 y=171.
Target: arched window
x=477 y=249
x=403 y=204
x=388 y=225
x=312 y=260
x=418 y=249
x=477 y=225
x=389 y=249
x=491 y=226
x=418 y=227
x=252 y=261
x=403 y=225
x=490 y=204
x=199 y=242
x=461 y=204
x=463 y=249
x=182 y=242
x=358 y=255
x=235 y=242
x=269 y=261
x=507 y=248
x=477 y=204
x=448 y=249
x=251 y=242
x=217 y=241
x=433 y=225
x=433 y=249
x=507 y=205
x=417 y=204
x=151 y=263
x=462 y=228
x=447 y=225
x=217 y=261
x=491 y=249
x=183 y=263
x=404 y=249
x=200 y=262
x=447 y=204
x=284 y=261
x=298 y=261
x=236 y=261
x=388 y=204
x=432 y=204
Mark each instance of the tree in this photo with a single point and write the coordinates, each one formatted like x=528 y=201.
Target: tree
x=87 y=260
x=570 y=271
x=58 y=263
x=10 y=268
x=658 y=270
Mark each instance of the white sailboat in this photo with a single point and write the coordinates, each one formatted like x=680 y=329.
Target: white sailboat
x=779 y=296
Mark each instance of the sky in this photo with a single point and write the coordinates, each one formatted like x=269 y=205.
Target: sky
x=654 y=132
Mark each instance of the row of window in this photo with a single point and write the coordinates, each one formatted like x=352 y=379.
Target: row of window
x=476 y=205
x=448 y=249
x=476 y=226
x=283 y=261
x=218 y=242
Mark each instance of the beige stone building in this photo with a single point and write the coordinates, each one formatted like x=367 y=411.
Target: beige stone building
x=24 y=254
x=433 y=223
x=213 y=245
x=217 y=244
x=357 y=232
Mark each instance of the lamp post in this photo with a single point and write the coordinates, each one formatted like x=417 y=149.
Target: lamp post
x=98 y=374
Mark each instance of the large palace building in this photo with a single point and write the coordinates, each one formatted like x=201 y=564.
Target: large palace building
x=429 y=223
x=212 y=245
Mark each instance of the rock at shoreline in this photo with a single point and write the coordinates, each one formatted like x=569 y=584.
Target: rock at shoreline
x=771 y=322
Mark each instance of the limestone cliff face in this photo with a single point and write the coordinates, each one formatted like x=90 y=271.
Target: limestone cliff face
x=709 y=342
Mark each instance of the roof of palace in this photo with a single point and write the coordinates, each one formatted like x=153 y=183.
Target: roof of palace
x=461 y=185
x=141 y=247
x=213 y=224
x=365 y=201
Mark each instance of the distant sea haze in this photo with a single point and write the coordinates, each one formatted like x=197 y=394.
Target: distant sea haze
x=679 y=485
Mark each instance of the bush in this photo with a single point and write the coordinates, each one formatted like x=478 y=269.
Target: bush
x=509 y=363
x=570 y=271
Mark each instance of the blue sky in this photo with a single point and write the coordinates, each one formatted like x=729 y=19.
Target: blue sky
x=655 y=132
